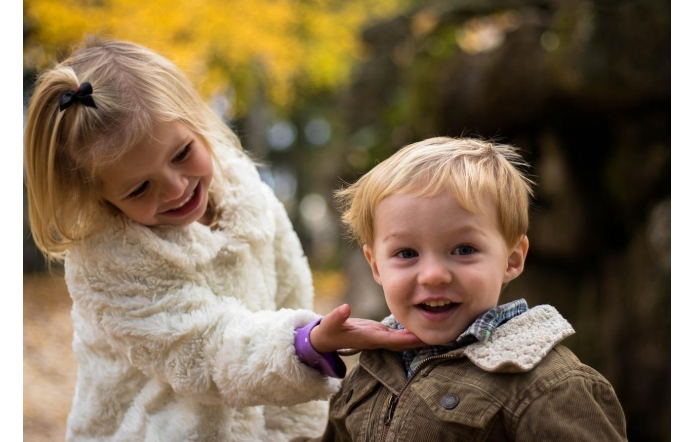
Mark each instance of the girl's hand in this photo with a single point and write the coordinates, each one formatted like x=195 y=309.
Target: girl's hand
x=338 y=331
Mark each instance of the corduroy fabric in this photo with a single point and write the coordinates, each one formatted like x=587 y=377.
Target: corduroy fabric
x=451 y=398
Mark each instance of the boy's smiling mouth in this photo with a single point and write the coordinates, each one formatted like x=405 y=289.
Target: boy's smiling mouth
x=438 y=306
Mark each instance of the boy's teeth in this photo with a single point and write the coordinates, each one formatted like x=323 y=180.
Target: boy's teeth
x=436 y=303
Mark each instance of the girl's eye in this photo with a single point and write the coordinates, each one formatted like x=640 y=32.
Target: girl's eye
x=182 y=155
x=464 y=250
x=407 y=254
x=139 y=191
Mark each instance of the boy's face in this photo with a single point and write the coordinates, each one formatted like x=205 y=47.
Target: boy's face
x=440 y=265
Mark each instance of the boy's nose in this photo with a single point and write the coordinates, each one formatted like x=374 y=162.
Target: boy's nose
x=433 y=272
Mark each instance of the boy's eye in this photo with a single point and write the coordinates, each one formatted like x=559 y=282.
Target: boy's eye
x=464 y=250
x=182 y=155
x=139 y=191
x=407 y=254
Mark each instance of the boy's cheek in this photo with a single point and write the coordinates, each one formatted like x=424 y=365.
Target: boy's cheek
x=395 y=291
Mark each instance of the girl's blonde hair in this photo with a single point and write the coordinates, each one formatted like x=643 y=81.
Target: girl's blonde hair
x=469 y=168
x=133 y=88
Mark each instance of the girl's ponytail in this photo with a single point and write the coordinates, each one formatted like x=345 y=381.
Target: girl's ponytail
x=57 y=197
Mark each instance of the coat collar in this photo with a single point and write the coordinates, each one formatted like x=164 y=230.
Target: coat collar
x=516 y=346
x=521 y=343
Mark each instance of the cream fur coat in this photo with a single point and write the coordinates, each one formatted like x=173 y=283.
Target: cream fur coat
x=188 y=334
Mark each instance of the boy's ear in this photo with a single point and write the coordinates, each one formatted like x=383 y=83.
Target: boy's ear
x=516 y=259
x=372 y=263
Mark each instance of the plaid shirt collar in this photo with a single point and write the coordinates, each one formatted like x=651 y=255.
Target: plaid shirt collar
x=480 y=330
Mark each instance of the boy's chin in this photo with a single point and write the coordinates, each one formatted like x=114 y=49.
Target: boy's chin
x=434 y=338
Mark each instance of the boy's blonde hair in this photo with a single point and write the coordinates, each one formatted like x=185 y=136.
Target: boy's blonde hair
x=133 y=88
x=469 y=168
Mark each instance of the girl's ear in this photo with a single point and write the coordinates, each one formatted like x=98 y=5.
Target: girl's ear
x=516 y=259
x=372 y=263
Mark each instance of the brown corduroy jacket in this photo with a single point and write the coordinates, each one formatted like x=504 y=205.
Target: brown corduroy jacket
x=518 y=386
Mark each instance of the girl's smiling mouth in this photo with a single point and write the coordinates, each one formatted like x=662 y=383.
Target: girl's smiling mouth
x=187 y=206
x=184 y=203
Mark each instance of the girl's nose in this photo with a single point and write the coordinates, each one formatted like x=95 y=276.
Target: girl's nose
x=433 y=271
x=173 y=187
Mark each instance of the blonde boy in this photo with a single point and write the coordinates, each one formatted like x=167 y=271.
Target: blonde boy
x=443 y=226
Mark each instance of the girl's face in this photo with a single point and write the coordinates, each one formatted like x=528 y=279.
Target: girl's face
x=164 y=180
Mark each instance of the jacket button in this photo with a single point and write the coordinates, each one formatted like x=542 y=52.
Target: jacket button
x=450 y=401
x=349 y=395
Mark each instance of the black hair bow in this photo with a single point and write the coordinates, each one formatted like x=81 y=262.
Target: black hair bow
x=83 y=94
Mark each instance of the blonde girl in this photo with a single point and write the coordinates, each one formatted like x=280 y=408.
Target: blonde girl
x=191 y=293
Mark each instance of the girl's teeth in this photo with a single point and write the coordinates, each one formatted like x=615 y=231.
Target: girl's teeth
x=183 y=203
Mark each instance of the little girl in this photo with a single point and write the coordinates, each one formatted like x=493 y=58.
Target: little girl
x=190 y=289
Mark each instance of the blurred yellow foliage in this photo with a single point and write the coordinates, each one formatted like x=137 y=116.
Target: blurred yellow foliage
x=328 y=283
x=231 y=47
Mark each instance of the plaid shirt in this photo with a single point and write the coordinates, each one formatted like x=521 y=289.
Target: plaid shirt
x=480 y=330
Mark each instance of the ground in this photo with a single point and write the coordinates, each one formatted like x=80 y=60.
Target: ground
x=49 y=365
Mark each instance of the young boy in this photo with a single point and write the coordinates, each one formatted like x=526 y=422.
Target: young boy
x=443 y=226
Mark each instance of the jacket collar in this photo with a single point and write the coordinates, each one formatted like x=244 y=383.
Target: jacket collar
x=521 y=343
x=516 y=346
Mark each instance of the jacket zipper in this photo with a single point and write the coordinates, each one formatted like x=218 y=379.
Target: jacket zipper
x=393 y=400
x=392 y=408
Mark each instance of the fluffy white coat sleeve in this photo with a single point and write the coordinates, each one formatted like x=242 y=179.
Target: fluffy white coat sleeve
x=174 y=328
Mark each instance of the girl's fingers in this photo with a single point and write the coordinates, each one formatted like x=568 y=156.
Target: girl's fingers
x=335 y=319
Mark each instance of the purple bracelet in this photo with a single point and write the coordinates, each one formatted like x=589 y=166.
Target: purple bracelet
x=328 y=363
